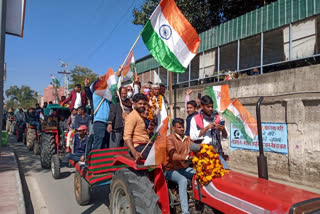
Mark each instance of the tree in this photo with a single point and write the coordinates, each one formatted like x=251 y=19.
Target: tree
x=79 y=73
x=21 y=97
x=202 y=14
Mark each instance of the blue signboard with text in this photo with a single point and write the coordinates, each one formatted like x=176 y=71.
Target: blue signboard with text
x=275 y=138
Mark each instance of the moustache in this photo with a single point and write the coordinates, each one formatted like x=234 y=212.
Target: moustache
x=141 y=109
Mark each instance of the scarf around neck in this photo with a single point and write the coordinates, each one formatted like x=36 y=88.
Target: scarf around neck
x=210 y=118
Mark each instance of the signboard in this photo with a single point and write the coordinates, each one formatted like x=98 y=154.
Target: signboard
x=275 y=138
x=15 y=17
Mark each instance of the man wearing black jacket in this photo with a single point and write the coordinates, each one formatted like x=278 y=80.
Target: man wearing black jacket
x=116 y=119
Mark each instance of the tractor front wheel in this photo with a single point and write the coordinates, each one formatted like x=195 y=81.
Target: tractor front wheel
x=48 y=149
x=55 y=166
x=81 y=189
x=132 y=192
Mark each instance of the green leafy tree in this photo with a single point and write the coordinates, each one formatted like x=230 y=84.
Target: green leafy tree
x=79 y=73
x=23 y=97
x=202 y=14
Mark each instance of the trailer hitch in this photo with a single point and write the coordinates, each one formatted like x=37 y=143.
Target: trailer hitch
x=262 y=160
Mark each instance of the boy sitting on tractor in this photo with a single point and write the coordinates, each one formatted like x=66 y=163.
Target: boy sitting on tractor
x=80 y=141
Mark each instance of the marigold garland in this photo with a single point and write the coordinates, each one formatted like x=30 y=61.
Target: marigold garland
x=156 y=103
x=207 y=165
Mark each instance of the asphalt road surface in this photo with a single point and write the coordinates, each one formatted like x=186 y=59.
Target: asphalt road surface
x=44 y=194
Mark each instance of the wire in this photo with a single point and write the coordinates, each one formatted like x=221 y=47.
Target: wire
x=113 y=30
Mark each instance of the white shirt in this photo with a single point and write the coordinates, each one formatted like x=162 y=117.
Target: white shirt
x=163 y=113
x=78 y=102
x=194 y=132
x=206 y=137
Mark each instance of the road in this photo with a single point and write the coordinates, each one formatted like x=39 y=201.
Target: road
x=44 y=194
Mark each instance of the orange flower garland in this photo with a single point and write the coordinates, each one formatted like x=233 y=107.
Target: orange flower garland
x=207 y=165
x=156 y=103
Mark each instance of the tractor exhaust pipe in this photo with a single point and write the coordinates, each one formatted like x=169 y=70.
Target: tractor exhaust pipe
x=262 y=160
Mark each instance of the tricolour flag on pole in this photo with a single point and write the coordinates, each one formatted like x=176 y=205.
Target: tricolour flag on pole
x=128 y=69
x=55 y=81
x=170 y=38
x=220 y=96
x=158 y=152
x=239 y=116
x=106 y=86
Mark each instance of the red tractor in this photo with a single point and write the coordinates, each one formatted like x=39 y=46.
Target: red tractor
x=136 y=188
x=52 y=142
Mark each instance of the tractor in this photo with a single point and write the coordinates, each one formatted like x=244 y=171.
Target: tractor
x=135 y=188
x=52 y=142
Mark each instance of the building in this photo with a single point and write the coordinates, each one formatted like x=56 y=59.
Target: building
x=49 y=94
x=269 y=38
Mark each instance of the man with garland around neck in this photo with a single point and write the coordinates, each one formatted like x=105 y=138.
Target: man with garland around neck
x=157 y=105
x=205 y=128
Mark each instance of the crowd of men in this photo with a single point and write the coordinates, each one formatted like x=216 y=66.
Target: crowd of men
x=132 y=120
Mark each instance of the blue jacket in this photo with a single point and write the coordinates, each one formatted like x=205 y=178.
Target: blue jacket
x=80 y=145
x=187 y=132
x=102 y=114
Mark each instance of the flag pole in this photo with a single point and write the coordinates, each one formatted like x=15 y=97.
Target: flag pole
x=170 y=96
x=134 y=44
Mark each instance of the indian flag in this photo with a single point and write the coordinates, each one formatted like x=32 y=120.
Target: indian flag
x=55 y=81
x=220 y=96
x=106 y=86
x=170 y=38
x=128 y=69
x=239 y=116
x=158 y=152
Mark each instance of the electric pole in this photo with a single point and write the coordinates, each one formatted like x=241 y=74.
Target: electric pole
x=66 y=79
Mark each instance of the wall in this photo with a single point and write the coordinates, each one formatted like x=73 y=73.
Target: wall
x=293 y=97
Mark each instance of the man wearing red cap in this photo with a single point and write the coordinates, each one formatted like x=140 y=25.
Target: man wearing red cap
x=80 y=141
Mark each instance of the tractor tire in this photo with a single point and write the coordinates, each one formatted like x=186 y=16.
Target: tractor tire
x=36 y=148
x=55 y=166
x=132 y=192
x=81 y=189
x=24 y=138
x=31 y=138
x=48 y=149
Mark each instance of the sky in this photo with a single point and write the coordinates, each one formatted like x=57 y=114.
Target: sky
x=97 y=34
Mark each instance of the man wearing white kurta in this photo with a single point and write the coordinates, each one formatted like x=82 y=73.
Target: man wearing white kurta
x=163 y=111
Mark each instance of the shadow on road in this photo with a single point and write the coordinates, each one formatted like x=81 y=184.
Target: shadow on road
x=99 y=196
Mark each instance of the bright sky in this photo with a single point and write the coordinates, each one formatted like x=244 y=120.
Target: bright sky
x=96 y=33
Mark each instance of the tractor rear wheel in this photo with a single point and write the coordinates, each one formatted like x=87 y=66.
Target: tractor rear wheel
x=55 y=166
x=31 y=138
x=48 y=149
x=132 y=192
x=81 y=189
